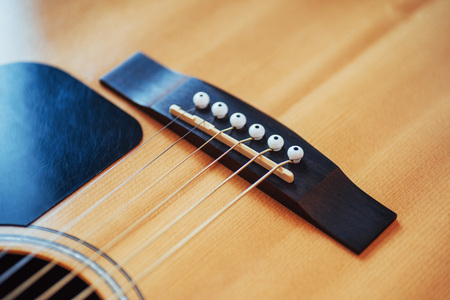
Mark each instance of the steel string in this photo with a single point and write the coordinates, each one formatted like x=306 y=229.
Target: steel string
x=17 y=266
x=64 y=204
x=59 y=284
x=190 y=236
x=93 y=286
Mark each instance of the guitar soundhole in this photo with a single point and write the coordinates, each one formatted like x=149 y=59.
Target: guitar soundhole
x=75 y=286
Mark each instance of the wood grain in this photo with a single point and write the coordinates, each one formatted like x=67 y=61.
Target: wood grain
x=365 y=82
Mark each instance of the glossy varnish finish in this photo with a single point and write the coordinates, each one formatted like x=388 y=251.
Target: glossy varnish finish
x=365 y=82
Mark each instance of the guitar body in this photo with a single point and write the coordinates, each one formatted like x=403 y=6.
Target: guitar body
x=375 y=103
x=88 y=133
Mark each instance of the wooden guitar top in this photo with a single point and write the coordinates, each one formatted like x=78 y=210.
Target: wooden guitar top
x=365 y=82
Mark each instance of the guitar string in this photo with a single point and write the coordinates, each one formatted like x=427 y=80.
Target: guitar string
x=64 y=204
x=44 y=270
x=83 y=266
x=18 y=265
x=190 y=236
x=88 y=290
x=50 y=264
x=153 y=238
x=186 y=212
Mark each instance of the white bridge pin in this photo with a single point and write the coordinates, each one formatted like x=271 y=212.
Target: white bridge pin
x=275 y=142
x=256 y=131
x=201 y=100
x=219 y=110
x=295 y=153
x=238 y=120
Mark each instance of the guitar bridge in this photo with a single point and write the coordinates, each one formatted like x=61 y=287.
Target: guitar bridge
x=319 y=192
x=228 y=140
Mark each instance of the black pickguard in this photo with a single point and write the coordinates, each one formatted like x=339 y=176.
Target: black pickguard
x=55 y=135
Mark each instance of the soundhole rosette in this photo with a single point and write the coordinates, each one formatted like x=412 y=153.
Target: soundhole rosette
x=69 y=254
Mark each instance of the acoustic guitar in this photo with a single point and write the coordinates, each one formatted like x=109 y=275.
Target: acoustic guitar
x=146 y=203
